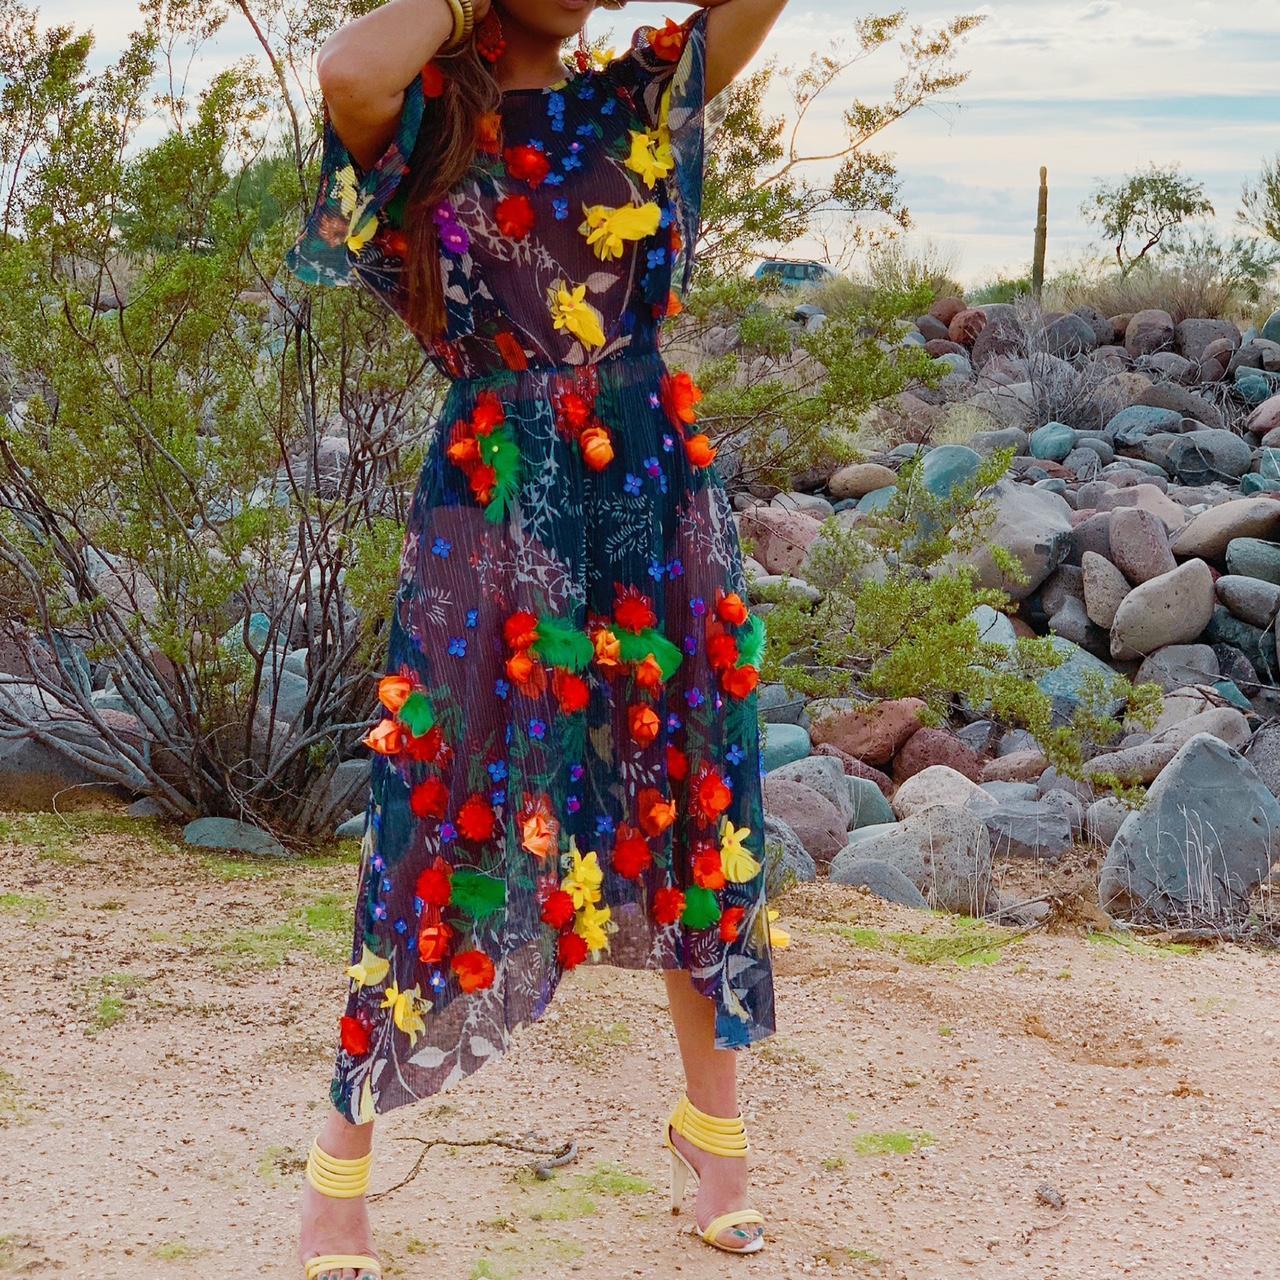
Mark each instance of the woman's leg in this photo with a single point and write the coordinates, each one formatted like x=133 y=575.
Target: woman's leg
x=331 y=1225
x=712 y=1085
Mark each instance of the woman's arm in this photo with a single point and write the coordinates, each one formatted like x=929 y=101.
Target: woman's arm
x=735 y=31
x=363 y=69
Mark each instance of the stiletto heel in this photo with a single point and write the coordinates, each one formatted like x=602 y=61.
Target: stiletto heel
x=721 y=1136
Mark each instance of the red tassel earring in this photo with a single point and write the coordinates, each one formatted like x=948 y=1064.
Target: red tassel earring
x=490 y=44
x=582 y=54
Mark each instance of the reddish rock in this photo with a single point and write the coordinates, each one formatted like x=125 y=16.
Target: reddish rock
x=855 y=768
x=1023 y=629
x=782 y=538
x=1017 y=766
x=876 y=734
x=1140 y=544
x=936 y=746
x=946 y=309
x=965 y=327
x=814 y=819
x=936 y=347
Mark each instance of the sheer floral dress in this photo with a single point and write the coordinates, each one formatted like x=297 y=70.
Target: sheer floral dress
x=565 y=760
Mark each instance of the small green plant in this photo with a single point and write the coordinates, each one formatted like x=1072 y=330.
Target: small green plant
x=1138 y=211
x=900 y=1143
x=175 y=1252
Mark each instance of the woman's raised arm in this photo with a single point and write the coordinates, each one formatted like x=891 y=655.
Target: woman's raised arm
x=363 y=68
x=735 y=31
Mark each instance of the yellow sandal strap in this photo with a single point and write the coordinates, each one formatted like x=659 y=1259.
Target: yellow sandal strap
x=720 y=1135
x=323 y=1262
x=734 y=1218
x=336 y=1176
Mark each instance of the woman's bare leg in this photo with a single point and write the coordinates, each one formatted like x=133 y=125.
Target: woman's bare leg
x=712 y=1085
x=332 y=1225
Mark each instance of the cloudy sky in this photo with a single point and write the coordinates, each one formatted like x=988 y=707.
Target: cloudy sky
x=1090 y=88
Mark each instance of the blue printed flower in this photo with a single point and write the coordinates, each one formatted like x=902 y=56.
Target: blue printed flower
x=554 y=179
x=473 y=617
x=402 y=926
x=668 y=442
x=691 y=645
x=652 y=466
x=735 y=755
x=571 y=161
x=576 y=772
x=379 y=911
x=665 y=218
x=457 y=647
x=674 y=723
x=675 y=569
x=498 y=797
x=586 y=130
x=441 y=547
x=448 y=833
x=501 y=688
x=497 y=770
x=438 y=980
x=694 y=698
x=655 y=258
x=560 y=208
x=697 y=606
x=656 y=570
x=573 y=804
x=655 y=400
x=632 y=483
x=379 y=862
x=608 y=106
x=386 y=884
x=538 y=729
x=604 y=825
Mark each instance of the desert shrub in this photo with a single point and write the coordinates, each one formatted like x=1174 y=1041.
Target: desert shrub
x=1002 y=289
x=902 y=265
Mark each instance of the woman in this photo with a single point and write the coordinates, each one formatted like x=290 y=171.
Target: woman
x=566 y=765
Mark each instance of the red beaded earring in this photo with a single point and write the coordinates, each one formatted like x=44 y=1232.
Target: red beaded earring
x=490 y=44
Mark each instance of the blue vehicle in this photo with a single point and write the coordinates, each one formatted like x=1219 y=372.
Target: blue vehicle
x=793 y=273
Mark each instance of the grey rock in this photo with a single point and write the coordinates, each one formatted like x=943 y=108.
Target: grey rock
x=230 y=833
x=1250 y=599
x=1191 y=338
x=786 y=858
x=1204 y=839
x=1147 y=332
x=1201 y=457
x=1178 y=665
x=816 y=820
x=1104 y=588
x=870 y=808
x=826 y=776
x=1025 y=829
x=945 y=852
x=881 y=878
x=1168 y=395
x=1104 y=818
x=1254 y=558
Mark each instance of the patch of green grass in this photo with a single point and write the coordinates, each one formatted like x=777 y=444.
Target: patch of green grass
x=832 y=1163
x=840 y=1255
x=537 y=1256
x=175 y=1252
x=112 y=904
x=321 y=927
x=946 y=1032
x=575 y=1197
x=899 y=1143
x=112 y=990
x=1139 y=947
x=55 y=836
x=24 y=904
x=960 y=940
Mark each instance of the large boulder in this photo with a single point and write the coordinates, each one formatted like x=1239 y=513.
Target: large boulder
x=1204 y=839
x=1104 y=589
x=826 y=777
x=1191 y=338
x=1033 y=525
x=1149 y=331
x=1201 y=457
x=935 y=746
x=935 y=785
x=1209 y=533
x=944 y=852
x=859 y=479
x=1140 y=544
x=1171 y=609
x=787 y=858
x=817 y=822
x=881 y=878
x=782 y=538
x=874 y=733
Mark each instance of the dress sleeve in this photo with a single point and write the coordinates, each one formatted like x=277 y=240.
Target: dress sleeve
x=664 y=71
x=353 y=211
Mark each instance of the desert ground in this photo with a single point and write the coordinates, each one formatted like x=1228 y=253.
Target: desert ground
x=941 y=1099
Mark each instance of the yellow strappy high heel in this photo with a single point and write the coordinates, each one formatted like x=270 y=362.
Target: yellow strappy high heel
x=721 y=1136
x=342 y=1180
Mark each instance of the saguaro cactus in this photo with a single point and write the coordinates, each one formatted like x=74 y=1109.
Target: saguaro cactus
x=1042 y=235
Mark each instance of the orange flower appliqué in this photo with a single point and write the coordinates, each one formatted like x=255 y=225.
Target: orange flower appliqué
x=474 y=970
x=643 y=723
x=657 y=813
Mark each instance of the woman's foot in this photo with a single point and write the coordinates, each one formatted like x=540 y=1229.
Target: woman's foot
x=330 y=1225
x=722 y=1187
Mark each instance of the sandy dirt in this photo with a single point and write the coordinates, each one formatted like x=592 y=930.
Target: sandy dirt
x=169 y=1022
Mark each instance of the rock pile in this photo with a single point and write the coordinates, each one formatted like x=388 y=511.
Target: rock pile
x=1143 y=505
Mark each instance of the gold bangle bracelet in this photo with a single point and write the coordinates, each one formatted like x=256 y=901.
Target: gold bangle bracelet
x=463 y=23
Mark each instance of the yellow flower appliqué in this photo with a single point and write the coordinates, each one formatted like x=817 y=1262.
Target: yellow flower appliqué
x=583 y=879
x=570 y=310
x=589 y=925
x=404 y=1009
x=607 y=230
x=651 y=155
x=739 y=866
x=369 y=970
x=361 y=227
